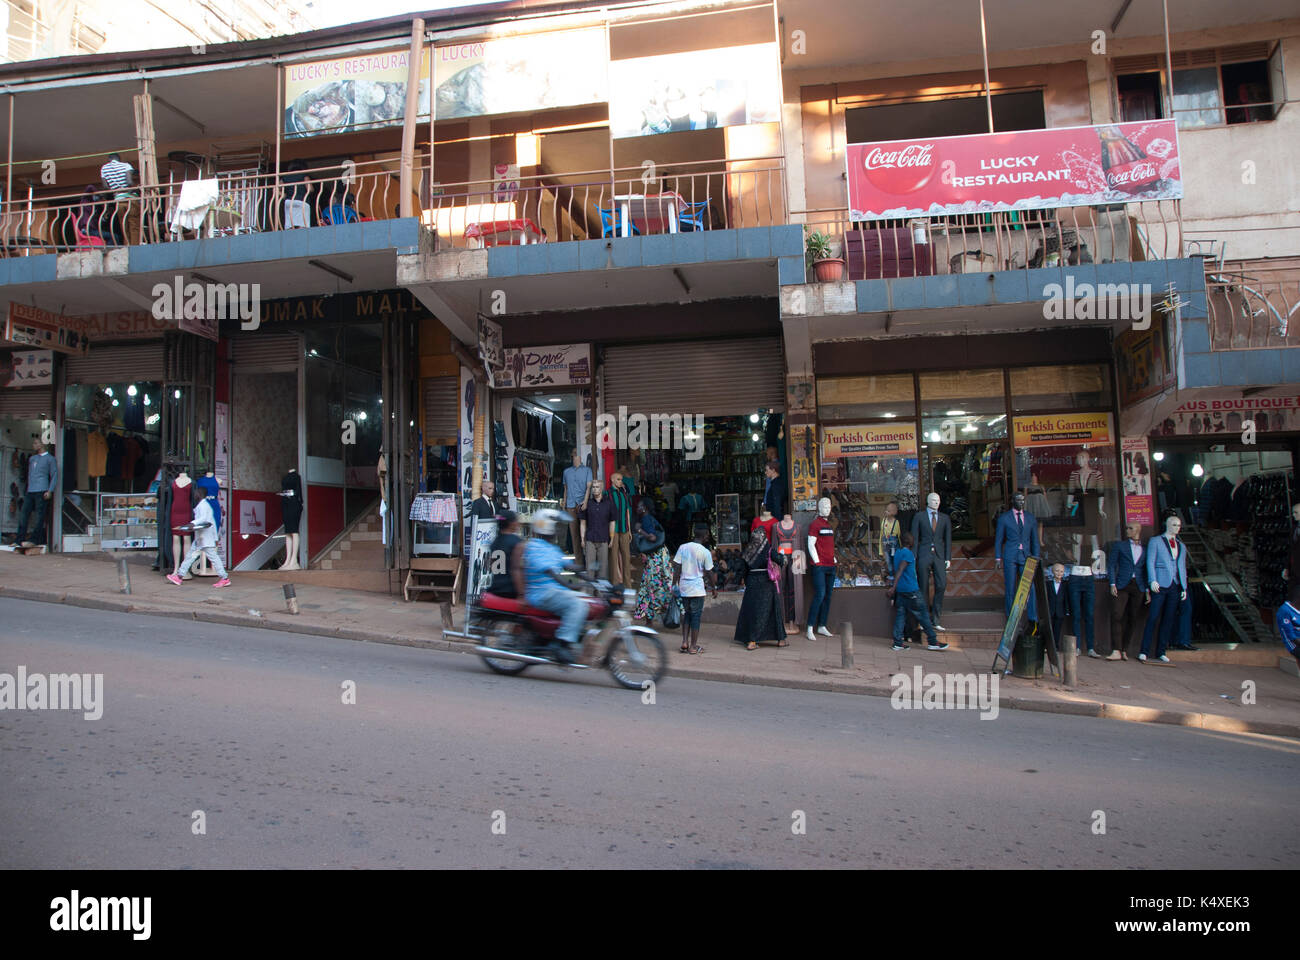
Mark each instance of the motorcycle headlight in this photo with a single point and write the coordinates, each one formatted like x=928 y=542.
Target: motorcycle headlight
x=629 y=596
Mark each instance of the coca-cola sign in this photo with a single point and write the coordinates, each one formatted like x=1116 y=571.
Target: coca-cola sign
x=1024 y=170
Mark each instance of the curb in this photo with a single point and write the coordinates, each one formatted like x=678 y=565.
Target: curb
x=1078 y=708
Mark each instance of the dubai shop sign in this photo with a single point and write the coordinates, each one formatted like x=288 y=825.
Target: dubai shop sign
x=1061 y=429
x=1024 y=170
x=34 y=327
x=892 y=440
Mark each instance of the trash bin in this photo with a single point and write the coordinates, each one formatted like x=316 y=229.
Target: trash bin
x=1027 y=657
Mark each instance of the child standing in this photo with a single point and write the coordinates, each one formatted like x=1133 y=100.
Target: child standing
x=205 y=538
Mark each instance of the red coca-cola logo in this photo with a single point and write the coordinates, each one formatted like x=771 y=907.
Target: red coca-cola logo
x=1134 y=176
x=900 y=170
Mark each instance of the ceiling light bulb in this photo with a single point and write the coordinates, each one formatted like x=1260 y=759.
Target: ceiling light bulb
x=131 y=391
x=116 y=401
x=1197 y=470
x=1157 y=456
x=177 y=394
x=108 y=391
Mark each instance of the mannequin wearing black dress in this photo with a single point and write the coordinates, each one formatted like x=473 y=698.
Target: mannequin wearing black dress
x=291 y=509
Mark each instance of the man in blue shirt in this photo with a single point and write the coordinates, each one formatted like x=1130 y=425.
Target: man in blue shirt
x=906 y=593
x=577 y=480
x=41 y=473
x=545 y=590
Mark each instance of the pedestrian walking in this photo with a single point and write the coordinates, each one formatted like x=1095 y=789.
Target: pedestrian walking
x=206 y=529
x=906 y=594
x=760 y=618
x=693 y=561
x=657 y=576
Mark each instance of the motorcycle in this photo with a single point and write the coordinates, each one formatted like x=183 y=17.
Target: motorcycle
x=517 y=636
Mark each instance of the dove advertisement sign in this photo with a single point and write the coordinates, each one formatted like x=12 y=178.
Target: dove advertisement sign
x=1024 y=170
x=347 y=94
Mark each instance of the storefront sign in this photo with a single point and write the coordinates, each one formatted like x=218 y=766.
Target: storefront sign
x=28 y=368
x=1024 y=170
x=1144 y=359
x=540 y=71
x=893 y=440
x=1061 y=429
x=561 y=365
x=803 y=464
x=252 y=517
x=34 y=327
x=505 y=182
x=361 y=92
x=1230 y=416
x=1135 y=472
x=490 y=350
x=695 y=90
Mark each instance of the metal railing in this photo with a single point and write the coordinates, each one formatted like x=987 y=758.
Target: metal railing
x=988 y=242
x=579 y=205
x=1253 y=305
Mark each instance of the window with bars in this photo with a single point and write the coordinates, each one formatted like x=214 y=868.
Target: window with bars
x=1226 y=85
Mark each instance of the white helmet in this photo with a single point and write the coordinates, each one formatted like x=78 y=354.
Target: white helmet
x=545 y=520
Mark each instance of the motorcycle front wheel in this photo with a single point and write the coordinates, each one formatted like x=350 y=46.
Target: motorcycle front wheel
x=637 y=660
x=505 y=635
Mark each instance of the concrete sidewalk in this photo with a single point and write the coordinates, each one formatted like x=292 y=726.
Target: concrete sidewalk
x=1189 y=693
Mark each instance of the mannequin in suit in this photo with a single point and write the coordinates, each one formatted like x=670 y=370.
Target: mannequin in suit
x=1058 y=601
x=1016 y=541
x=932 y=534
x=1127 y=569
x=1166 y=559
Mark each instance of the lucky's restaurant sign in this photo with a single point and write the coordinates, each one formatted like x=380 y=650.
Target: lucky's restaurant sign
x=1024 y=170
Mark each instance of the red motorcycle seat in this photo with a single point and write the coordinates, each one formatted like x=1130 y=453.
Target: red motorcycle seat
x=491 y=601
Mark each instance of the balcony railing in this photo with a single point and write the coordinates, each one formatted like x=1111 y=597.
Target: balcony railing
x=1253 y=305
x=550 y=208
x=983 y=243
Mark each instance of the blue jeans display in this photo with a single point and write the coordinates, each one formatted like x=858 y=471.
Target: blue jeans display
x=823 y=582
x=569 y=605
x=1083 y=597
x=37 y=502
x=905 y=603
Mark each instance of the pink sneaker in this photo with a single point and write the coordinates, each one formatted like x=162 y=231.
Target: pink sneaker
x=175 y=579
x=223 y=582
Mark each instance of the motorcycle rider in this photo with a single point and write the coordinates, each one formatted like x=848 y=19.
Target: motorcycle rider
x=505 y=557
x=543 y=562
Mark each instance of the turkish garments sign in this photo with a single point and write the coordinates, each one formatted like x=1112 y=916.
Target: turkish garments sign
x=1022 y=170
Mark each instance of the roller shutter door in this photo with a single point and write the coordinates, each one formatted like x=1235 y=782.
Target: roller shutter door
x=441 y=408
x=27 y=403
x=266 y=352
x=716 y=378
x=119 y=364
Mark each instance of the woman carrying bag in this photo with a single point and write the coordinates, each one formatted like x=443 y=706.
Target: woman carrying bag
x=656 y=587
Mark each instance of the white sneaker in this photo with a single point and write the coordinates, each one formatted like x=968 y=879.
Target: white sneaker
x=810 y=634
x=1142 y=658
x=940 y=627
x=824 y=632
x=1163 y=659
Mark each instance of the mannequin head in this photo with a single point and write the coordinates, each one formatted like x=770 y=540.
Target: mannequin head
x=38 y=446
x=1133 y=531
x=1058 y=572
x=932 y=501
x=616 y=481
x=1172 y=526
x=787 y=520
x=765 y=515
x=1033 y=478
x=892 y=509
x=1295 y=513
x=772 y=470
x=1019 y=501
x=1081 y=458
x=489 y=489
x=824 y=507
x=597 y=491
x=577 y=459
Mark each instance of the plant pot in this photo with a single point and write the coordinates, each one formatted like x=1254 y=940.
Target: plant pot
x=829 y=271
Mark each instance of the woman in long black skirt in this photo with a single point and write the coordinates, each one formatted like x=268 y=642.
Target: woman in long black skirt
x=760 y=619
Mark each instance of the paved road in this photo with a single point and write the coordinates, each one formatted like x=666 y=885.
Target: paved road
x=249 y=727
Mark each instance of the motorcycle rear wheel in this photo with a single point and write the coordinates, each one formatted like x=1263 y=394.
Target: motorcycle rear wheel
x=637 y=663
x=505 y=635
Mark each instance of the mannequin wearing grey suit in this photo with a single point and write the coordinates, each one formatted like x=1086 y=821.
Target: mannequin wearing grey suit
x=932 y=534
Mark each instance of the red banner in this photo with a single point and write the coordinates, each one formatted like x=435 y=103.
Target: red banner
x=1024 y=170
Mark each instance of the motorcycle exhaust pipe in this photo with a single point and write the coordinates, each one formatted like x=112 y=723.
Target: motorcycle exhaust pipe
x=510 y=655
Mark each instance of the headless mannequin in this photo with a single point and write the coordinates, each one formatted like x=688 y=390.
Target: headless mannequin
x=292 y=490
x=785 y=529
x=1084 y=481
x=181 y=542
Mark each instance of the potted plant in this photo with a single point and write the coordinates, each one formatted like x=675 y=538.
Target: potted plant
x=821 y=254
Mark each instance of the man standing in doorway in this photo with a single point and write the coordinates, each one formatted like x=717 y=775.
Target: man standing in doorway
x=41 y=473
x=577 y=481
x=932 y=534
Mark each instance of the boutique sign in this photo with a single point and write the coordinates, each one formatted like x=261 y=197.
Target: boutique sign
x=1024 y=170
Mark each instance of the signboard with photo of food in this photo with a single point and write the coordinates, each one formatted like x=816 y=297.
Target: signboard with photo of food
x=350 y=93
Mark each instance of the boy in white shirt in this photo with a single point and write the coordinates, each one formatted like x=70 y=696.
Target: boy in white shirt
x=205 y=540
x=693 y=560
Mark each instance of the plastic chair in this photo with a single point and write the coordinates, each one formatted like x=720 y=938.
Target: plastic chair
x=86 y=241
x=607 y=225
x=693 y=217
x=337 y=213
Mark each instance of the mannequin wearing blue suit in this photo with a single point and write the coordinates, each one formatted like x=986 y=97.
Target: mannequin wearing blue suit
x=1015 y=542
x=1166 y=562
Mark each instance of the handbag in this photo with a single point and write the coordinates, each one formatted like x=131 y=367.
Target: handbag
x=773 y=572
x=672 y=615
x=645 y=544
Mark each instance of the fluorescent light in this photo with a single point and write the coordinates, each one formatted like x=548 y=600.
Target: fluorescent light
x=553 y=400
x=889 y=415
x=1157 y=456
x=956 y=413
x=1001 y=416
x=177 y=394
x=969 y=428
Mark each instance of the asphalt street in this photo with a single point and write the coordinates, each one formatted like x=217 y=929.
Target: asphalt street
x=440 y=763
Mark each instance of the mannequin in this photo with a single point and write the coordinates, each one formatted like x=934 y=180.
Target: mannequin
x=381 y=469
x=1036 y=502
x=890 y=531
x=1167 y=571
x=785 y=536
x=764 y=520
x=932 y=540
x=291 y=510
x=1085 y=486
x=181 y=514
x=1292 y=571
x=821 y=558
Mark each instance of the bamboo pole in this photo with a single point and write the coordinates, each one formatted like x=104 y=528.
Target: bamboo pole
x=408 y=124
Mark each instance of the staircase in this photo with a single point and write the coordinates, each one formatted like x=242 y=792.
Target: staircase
x=359 y=549
x=1225 y=590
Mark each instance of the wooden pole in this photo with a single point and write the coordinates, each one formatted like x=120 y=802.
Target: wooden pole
x=984 y=43
x=9 y=174
x=408 y=125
